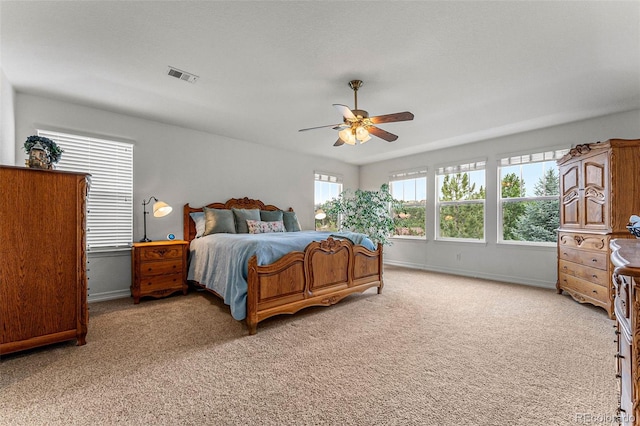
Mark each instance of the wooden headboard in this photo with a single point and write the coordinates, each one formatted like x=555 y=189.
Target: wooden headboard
x=238 y=203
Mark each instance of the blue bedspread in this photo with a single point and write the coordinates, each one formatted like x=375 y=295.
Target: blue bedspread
x=220 y=261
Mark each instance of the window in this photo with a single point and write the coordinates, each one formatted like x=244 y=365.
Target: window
x=110 y=199
x=460 y=206
x=327 y=187
x=529 y=197
x=410 y=187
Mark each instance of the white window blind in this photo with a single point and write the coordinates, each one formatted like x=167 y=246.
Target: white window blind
x=534 y=158
x=110 y=199
x=409 y=174
x=327 y=177
x=461 y=168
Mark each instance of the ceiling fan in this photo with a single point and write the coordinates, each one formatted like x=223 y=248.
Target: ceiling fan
x=357 y=126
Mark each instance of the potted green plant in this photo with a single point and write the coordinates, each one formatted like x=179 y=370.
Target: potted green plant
x=52 y=150
x=367 y=212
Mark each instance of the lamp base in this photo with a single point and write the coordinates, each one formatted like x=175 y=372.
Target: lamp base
x=145 y=240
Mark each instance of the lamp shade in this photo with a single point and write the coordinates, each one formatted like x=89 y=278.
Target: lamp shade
x=362 y=134
x=347 y=136
x=160 y=209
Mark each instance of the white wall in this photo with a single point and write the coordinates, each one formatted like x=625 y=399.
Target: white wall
x=7 y=121
x=502 y=262
x=178 y=166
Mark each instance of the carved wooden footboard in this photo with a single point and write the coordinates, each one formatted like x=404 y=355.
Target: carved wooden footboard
x=325 y=273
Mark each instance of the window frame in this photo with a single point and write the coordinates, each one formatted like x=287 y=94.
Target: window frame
x=334 y=178
x=111 y=220
x=545 y=155
x=408 y=174
x=452 y=169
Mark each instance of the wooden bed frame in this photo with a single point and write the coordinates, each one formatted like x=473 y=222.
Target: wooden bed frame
x=321 y=275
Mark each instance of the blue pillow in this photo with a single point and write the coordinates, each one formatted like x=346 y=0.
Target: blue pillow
x=271 y=216
x=218 y=221
x=291 y=221
x=242 y=215
x=199 y=220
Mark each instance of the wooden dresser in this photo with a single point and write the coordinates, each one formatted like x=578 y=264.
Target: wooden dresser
x=599 y=187
x=625 y=257
x=159 y=268
x=43 y=284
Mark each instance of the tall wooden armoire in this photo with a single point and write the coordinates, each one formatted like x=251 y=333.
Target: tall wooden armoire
x=43 y=283
x=599 y=191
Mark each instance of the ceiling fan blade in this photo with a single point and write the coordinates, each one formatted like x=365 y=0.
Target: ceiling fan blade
x=339 y=142
x=382 y=134
x=321 y=127
x=390 y=118
x=345 y=111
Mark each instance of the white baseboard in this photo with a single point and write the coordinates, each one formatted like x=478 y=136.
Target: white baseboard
x=474 y=274
x=109 y=295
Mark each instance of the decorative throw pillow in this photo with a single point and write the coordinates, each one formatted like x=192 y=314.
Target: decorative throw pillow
x=260 y=227
x=218 y=221
x=291 y=221
x=199 y=220
x=272 y=216
x=242 y=215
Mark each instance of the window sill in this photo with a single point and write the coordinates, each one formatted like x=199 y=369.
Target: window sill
x=403 y=238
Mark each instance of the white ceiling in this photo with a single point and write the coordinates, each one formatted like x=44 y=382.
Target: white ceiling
x=467 y=70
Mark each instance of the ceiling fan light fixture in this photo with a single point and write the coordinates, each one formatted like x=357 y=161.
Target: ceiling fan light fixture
x=357 y=126
x=362 y=134
x=347 y=136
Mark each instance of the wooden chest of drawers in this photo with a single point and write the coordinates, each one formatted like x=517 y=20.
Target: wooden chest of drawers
x=159 y=269
x=598 y=193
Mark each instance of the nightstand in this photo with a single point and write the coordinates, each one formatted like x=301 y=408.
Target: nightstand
x=159 y=268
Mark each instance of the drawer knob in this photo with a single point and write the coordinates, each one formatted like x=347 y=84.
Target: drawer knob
x=594 y=260
x=595 y=291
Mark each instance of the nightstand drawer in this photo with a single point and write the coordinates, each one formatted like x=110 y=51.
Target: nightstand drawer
x=165 y=282
x=161 y=252
x=162 y=267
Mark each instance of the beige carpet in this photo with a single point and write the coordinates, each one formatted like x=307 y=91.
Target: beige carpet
x=432 y=349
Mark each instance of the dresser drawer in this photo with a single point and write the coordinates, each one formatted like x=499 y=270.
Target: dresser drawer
x=583 y=241
x=585 y=288
x=594 y=275
x=161 y=252
x=161 y=267
x=594 y=259
x=621 y=288
x=164 y=282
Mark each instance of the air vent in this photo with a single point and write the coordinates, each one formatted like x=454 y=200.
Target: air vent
x=182 y=75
